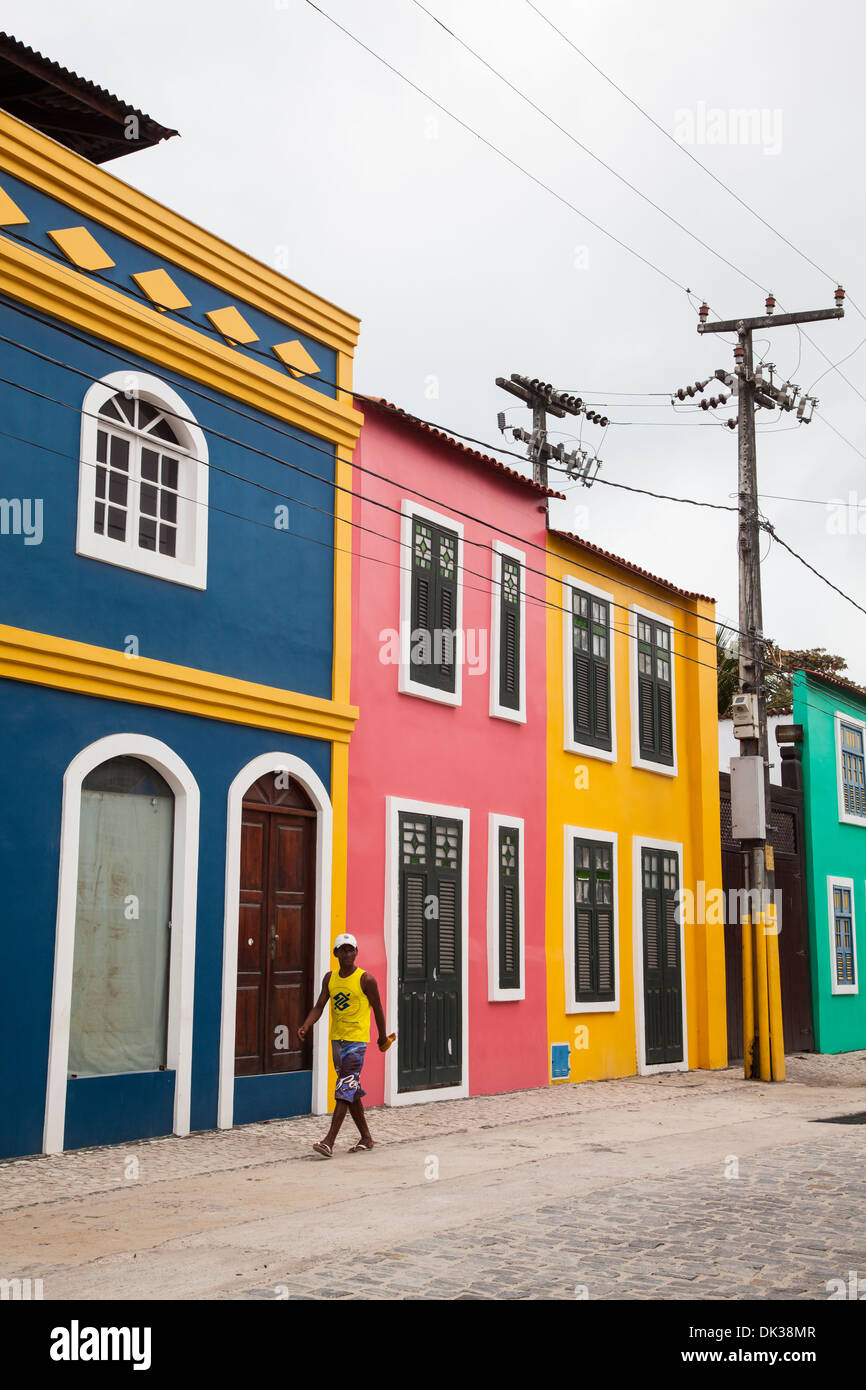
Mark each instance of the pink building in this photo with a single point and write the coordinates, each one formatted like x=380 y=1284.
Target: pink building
x=446 y=846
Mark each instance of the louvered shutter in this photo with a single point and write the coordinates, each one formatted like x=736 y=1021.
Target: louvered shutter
x=423 y=601
x=509 y=907
x=509 y=633
x=853 y=771
x=662 y=957
x=591 y=692
x=445 y=1024
x=445 y=652
x=843 y=930
x=655 y=692
x=594 y=979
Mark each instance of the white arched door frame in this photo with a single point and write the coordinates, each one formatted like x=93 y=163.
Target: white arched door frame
x=183 y=921
x=315 y=789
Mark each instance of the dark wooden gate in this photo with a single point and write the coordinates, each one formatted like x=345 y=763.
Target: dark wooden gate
x=276 y=928
x=429 y=1028
x=785 y=825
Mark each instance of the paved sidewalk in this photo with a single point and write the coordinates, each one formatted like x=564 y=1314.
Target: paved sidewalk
x=679 y=1185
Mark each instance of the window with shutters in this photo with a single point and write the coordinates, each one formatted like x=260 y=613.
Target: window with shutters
x=653 y=697
x=589 y=714
x=507 y=637
x=431 y=606
x=592 y=965
x=843 y=945
x=851 y=764
x=505 y=908
x=143 y=480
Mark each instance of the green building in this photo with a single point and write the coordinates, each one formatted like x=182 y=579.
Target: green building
x=833 y=717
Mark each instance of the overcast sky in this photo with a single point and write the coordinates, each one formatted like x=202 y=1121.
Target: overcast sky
x=296 y=142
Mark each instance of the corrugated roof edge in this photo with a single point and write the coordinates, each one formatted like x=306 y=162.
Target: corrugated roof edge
x=389 y=408
x=85 y=83
x=627 y=564
x=857 y=690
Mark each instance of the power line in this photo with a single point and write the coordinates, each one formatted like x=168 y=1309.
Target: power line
x=771 y=530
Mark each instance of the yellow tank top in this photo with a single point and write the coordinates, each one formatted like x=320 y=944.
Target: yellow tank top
x=350 y=1007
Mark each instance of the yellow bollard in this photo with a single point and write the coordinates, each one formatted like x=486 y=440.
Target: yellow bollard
x=748 y=1001
x=762 y=999
x=774 y=991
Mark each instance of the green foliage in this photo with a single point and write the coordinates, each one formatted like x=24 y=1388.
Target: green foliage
x=727 y=660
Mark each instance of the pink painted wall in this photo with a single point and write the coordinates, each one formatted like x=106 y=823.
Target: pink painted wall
x=415 y=748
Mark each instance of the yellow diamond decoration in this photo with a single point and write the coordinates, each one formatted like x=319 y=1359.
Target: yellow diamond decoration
x=81 y=248
x=159 y=286
x=296 y=358
x=232 y=324
x=10 y=212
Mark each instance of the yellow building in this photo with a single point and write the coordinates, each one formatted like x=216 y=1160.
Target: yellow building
x=636 y=979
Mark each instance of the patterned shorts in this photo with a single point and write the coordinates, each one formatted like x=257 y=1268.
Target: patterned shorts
x=348 y=1061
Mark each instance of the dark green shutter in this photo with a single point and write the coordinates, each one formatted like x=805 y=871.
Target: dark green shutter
x=655 y=694
x=434 y=605
x=509 y=633
x=663 y=985
x=509 y=907
x=594 y=976
x=590 y=642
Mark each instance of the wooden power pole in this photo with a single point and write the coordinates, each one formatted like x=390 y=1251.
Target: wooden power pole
x=763 y=1043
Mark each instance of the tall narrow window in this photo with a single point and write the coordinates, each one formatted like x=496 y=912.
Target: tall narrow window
x=655 y=691
x=509 y=634
x=509 y=907
x=122 y=923
x=594 y=973
x=591 y=683
x=143 y=485
x=433 y=639
x=662 y=961
x=853 y=770
x=843 y=938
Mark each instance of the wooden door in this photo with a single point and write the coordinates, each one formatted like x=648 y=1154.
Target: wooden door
x=662 y=957
x=276 y=929
x=429 y=1027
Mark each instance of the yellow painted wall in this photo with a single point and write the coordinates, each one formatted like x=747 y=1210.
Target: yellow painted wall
x=616 y=797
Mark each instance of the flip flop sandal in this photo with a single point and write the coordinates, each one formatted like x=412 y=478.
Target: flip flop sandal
x=360 y=1148
x=324 y=1149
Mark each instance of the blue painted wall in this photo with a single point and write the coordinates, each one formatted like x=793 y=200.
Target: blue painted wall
x=43 y=730
x=267 y=612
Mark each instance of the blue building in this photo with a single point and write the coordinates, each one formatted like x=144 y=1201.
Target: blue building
x=177 y=425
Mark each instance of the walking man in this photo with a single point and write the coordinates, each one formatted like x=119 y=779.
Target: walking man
x=353 y=993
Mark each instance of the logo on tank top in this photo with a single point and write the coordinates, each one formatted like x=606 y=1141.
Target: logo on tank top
x=342 y=1001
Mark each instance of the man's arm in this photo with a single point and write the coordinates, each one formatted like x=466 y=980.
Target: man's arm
x=316 y=1012
x=371 y=989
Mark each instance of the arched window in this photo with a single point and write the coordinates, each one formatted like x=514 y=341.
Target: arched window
x=143 y=482
x=120 y=973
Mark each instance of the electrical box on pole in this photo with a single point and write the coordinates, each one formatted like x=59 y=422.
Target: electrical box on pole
x=747 y=798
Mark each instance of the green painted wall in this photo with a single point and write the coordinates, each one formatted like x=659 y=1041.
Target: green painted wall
x=833 y=849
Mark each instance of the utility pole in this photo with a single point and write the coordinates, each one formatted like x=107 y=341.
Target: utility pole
x=544 y=399
x=763 y=1042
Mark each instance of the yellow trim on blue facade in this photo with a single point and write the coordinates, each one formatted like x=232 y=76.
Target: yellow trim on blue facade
x=41 y=659
x=96 y=193
x=64 y=293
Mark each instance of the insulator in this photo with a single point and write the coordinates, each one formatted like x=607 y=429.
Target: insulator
x=705 y=405
x=604 y=421
x=723 y=400
x=731 y=424
x=739 y=353
x=703 y=312
x=578 y=403
x=839 y=296
x=681 y=395
x=699 y=385
x=690 y=390
x=770 y=303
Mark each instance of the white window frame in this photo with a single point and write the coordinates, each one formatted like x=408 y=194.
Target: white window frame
x=498 y=710
x=495 y=992
x=393 y=806
x=634 y=613
x=639 y=843
x=569 y=742
x=189 y=567
x=406 y=684
x=836 y=881
x=572 y=1004
x=184 y=888
x=840 y=718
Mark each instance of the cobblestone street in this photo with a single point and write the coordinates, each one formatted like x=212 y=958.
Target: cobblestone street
x=678 y=1186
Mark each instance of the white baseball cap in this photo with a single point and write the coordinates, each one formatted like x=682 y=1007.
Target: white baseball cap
x=345 y=940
